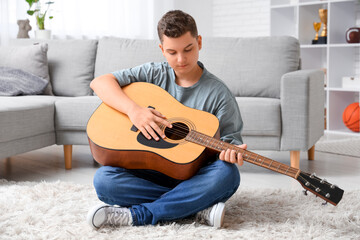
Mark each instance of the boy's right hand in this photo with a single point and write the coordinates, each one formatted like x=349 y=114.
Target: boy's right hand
x=148 y=121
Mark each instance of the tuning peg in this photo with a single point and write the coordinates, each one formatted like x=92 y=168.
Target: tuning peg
x=333 y=186
x=324 y=203
x=305 y=192
x=313 y=175
x=322 y=181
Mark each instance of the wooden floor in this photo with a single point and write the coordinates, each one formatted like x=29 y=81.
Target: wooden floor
x=47 y=164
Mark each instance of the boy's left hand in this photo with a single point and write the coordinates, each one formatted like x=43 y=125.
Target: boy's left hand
x=230 y=155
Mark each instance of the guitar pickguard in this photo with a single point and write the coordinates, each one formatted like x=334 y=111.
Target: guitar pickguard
x=153 y=143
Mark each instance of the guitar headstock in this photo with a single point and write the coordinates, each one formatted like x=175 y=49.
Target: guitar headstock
x=320 y=187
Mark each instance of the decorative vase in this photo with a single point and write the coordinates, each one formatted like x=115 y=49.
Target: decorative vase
x=43 y=34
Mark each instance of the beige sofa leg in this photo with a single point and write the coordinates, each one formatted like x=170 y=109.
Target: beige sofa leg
x=295 y=159
x=68 y=156
x=311 y=153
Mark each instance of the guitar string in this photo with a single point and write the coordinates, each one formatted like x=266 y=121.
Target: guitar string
x=291 y=171
x=183 y=135
x=177 y=131
x=284 y=171
x=180 y=133
x=178 y=126
x=173 y=130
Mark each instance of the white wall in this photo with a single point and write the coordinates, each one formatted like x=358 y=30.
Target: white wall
x=230 y=18
x=200 y=10
x=241 y=18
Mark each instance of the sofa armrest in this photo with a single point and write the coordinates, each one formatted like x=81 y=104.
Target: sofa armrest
x=302 y=99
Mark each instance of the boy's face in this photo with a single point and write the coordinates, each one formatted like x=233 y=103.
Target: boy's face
x=182 y=53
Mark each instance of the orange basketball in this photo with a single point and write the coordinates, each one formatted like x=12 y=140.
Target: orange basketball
x=351 y=117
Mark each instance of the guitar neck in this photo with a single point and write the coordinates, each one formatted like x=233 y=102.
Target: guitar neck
x=218 y=145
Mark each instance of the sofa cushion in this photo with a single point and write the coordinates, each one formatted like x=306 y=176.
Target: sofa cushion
x=261 y=116
x=26 y=116
x=251 y=67
x=119 y=53
x=72 y=114
x=31 y=58
x=71 y=65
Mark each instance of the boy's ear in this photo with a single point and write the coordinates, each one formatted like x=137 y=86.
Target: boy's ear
x=199 y=40
x=162 y=49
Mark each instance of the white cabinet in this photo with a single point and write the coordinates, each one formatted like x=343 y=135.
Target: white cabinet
x=338 y=58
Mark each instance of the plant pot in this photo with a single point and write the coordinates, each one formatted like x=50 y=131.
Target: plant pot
x=43 y=34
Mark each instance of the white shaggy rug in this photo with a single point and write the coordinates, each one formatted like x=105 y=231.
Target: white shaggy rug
x=58 y=210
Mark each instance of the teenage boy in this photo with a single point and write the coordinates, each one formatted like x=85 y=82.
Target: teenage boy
x=147 y=197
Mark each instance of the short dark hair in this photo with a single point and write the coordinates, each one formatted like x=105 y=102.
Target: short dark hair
x=175 y=23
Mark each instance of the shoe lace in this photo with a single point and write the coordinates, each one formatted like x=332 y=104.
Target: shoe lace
x=118 y=217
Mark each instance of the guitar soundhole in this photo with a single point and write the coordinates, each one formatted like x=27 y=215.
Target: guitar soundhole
x=177 y=132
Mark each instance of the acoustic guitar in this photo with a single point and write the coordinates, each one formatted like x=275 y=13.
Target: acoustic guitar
x=194 y=137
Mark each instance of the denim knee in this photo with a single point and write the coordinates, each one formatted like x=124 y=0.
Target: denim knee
x=227 y=175
x=99 y=177
x=102 y=181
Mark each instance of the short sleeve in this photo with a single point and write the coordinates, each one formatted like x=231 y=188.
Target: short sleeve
x=231 y=123
x=142 y=73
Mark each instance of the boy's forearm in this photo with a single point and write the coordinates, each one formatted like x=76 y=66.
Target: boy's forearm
x=109 y=91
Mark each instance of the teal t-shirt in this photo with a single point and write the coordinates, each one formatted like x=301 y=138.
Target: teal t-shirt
x=209 y=94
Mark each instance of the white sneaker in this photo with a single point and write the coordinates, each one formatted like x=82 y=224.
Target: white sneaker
x=105 y=214
x=212 y=216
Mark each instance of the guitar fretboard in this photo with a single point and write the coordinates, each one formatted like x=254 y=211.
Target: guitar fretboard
x=218 y=145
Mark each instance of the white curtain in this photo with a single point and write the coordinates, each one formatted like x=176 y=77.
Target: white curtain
x=88 y=18
x=8 y=18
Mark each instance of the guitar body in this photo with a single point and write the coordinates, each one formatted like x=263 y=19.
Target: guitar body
x=114 y=141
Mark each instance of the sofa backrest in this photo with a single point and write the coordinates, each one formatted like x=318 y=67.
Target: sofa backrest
x=120 y=53
x=71 y=64
x=251 y=66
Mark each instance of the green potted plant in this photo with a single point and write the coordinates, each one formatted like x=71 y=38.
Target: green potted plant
x=40 y=9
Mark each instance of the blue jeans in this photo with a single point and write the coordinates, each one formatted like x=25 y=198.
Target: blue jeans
x=150 y=203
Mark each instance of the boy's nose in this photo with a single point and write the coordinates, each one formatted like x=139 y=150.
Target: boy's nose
x=181 y=58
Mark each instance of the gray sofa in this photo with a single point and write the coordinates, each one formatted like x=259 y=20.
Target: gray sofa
x=281 y=106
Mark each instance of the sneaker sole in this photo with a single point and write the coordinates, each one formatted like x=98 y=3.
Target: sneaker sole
x=92 y=212
x=219 y=215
